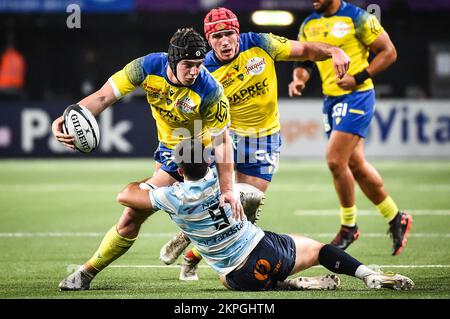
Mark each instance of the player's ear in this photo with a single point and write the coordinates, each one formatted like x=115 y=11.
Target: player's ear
x=180 y=171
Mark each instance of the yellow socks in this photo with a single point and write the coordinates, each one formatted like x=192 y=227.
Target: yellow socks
x=112 y=247
x=388 y=208
x=348 y=216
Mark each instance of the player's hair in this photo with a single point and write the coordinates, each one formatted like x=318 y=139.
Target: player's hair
x=192 y=157
x=185 y=44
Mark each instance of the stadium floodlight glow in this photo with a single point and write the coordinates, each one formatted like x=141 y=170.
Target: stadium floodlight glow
x=272 y=17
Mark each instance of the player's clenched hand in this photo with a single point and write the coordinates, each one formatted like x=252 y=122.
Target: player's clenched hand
x=64 y=139
x=296 y=87
x=341 y=62
x=347 y=83
x=236 y=206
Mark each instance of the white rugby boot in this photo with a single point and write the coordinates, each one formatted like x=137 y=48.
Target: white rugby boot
x=173 y=249
x=251 y=199
x=325 y=282
x=79 y=280
x=388 y=280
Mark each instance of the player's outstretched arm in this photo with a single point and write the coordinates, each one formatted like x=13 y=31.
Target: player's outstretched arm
x=135 y=197
x=223 y=152
x=96 y=103
x=316 y=51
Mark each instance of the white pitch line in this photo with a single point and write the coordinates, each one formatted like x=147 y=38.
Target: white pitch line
x=334 y=212
x=307 y=187
x=206 y=266
x=75 y=234
x=76 y=187
x=98 y=234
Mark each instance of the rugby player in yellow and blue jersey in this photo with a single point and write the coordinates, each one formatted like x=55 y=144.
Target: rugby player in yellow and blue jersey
x=349 y=104
x=245 y=65
x=186 y=101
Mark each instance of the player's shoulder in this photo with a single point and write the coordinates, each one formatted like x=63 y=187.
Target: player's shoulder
x=350 y=10
x=249 y=40
x=311 y=17
x=155 y=63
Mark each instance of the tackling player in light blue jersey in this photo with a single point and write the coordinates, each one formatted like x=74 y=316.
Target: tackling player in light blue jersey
x=245 y=256
x=222 y=240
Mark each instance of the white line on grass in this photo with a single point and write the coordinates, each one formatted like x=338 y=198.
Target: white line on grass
x=289 y=188
x=206 y=266
x=329 y=187
x=98 y=234
x=334 y=212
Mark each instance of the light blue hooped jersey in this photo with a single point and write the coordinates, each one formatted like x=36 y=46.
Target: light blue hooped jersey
x=223 y=242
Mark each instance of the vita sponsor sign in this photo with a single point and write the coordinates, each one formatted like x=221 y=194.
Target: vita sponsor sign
x=399 y=128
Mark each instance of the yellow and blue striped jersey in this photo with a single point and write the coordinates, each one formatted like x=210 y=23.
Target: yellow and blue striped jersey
x=250 y=82
x=199 y=110
x=352 y=29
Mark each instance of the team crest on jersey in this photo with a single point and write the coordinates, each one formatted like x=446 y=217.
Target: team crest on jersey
x=186 y=105
x=340 y=29
x=255 y=66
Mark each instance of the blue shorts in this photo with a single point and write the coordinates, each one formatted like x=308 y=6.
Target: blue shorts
x=164 y=156
x=257 y=156
x=272 y=260
x=350 y=113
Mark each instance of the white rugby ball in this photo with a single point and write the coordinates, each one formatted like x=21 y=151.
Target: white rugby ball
x=79 y=122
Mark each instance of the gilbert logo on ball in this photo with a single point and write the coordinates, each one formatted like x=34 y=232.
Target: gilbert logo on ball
x=79 y=122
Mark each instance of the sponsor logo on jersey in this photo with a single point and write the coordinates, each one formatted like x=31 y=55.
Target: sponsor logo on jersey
x=227 y=80
x=153 y=92
x=186 y=105
x=340 y=29
x=255 y=66
x=258 y=89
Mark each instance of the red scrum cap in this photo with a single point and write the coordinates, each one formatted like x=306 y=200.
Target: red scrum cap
x=219 y=19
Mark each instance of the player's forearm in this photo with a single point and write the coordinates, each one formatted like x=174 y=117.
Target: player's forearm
x=98 y=101
x=312 y=51
x=223 y=153
x=383 y=59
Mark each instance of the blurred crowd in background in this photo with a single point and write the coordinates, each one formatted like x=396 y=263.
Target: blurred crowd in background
x=42 y=58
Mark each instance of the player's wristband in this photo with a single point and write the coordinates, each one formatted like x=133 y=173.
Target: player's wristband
x=361 y=77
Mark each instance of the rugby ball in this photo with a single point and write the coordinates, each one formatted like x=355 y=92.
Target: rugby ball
x=79 y=122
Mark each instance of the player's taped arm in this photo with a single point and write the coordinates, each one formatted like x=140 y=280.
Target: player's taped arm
x=121 y=83
x=129 y=78
x=98 y=101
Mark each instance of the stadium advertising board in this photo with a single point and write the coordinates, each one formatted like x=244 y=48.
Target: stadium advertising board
x=127 y=129
x=399 y=129
x=55 y=6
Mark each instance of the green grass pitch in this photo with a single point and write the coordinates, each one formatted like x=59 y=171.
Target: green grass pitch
x=54 y=213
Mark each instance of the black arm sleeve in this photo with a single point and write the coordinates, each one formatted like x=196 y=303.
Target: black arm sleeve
x=307 y=65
